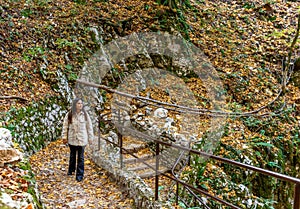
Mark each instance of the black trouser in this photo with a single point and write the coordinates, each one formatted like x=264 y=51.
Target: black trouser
x=79 y=150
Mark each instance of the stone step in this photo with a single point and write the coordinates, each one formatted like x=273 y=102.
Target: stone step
x=143 y=170
x=140 y=164
x=133 y=160
x=134 y=147
x=141 y=150
x=150 y=172
x=137 y=168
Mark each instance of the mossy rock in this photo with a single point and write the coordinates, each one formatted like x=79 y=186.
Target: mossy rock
x=9 y=155
x=4 y=206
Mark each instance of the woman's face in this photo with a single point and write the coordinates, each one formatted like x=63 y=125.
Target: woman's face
x=79 y=106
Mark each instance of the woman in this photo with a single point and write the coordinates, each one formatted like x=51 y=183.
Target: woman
x=77 y=132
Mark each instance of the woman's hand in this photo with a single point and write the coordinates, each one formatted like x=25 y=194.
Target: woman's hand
x=65 y=141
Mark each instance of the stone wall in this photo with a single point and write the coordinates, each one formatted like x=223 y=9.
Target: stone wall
x=36 y=125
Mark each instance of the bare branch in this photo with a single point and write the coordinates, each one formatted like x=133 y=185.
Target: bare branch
x=14 y=97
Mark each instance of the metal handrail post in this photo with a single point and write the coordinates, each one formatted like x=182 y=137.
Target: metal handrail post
x=177 y=193
x=99 y=134
x=297 y=197
x=157 y=171
x=120 y=139
x=121 y=150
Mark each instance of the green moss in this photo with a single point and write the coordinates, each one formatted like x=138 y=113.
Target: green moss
x=25 y=165
x=3 y=206
x=31 y=126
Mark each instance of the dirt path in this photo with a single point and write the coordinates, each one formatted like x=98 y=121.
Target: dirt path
x=59 y=190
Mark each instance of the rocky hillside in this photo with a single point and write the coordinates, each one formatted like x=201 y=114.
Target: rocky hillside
x=245 y=41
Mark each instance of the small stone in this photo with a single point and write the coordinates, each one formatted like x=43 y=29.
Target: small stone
x=161 y=113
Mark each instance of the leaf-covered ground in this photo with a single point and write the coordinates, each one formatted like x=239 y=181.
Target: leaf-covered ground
x=59 y=190
x=244 y=40
x=16 y=182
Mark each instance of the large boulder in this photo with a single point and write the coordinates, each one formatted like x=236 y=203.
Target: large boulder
x=8 y=153
x=5 y=138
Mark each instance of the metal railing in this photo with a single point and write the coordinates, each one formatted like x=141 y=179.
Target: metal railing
x=193 y=190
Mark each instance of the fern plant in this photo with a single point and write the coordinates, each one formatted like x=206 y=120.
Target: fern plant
x=173 y=4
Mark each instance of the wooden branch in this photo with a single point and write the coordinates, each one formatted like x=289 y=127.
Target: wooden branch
x=184 y=109
x=14 y=97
